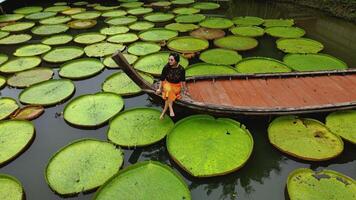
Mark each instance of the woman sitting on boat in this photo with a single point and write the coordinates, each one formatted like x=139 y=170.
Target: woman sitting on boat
x=172 y=82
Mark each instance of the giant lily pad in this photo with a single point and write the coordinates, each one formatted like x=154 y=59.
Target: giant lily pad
x=121 y=84
x=285 y=32
x=83 y=165
x=138 y=127
x=278 y=22
x=81 y=68
x=15 y=137
x=313 y=62
x=123 y=38
x=306 y=139
x=56 y=20
x=113 y=30
x=205 y=147
x=62 y=54
x=237 y=43
x=80 y=3
x=110 y=63
x=158 y=17
x=299 y=45
x=87 y=15
x=124 y=20
x=193 y=18
x=306 y=184
x=89 y=38
x=29 y=112
x=28 y=10
x=59 y=8
x=3 y=58
x=248 y=31
x=220 y=56
x=15 y=39
x=49 y=29
x=154 y=63
x=30 y=77
x=185 y=11
x=93 y=109
x=57 y=39
x=20 y=64
x=3 y=34
x=139 y=11
x=141 y=26
x=40 y=15
x=102 y=49
x=2 y=81
x=216 y=22
x=206 y=5
x=18 y=26
x=343 y=124
x=114 y=13
x=261 y=65
x=201 y=69
x=160 y=4
x=187 y=44
x=10 y=17
x=32 y=50
x=145 y=180
x=208 y=33
x=143 y=48
x=10 y=188
x=7 y=107
x=82 y=23
x=248 y=21
x=181 y=27
x=131 y=4
x=103 y=8
x=73 y=11
x=48 y=92
x=182 y=2
x=157 y=34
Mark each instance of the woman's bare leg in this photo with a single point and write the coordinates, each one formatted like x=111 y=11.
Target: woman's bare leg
x=170 y=105
x=164 y=109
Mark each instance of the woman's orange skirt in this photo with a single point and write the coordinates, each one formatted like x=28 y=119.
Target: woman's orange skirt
x=171 y=90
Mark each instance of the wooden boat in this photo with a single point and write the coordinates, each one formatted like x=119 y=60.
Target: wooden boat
x=262 y=94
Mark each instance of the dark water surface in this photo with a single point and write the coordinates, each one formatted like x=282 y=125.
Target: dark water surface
x=264 y=175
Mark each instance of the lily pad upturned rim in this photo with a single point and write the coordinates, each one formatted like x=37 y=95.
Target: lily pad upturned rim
x=55 y=20
x=69 y=38
x=30 y=116
x=72 y=76
x=24 y=38
x=280 y=40
x=12 y=178
x=262 y=58
x=35 y=62
x=206 y=5
x=144 y=10
x=270 y=31
x=28 y=10
x=185 y=10
x=207 y=33
x=13 y=110
x=3 y=81
x=82 y=15
x=192 y=18
x=216 y=43
x=258 y=31
x=206 y=23
x=16 y=85
x=232 y=70
x=74 y=24
x=330 y=120
x=18 y=26
x=45 y=49
x=187 y=51
x=258 y=21
x=208 y=60
x=11 y=17
x=63 y=47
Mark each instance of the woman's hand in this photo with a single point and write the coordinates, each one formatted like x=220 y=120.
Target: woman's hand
x=158 y=91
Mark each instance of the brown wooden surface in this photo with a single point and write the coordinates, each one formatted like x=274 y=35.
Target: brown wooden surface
x=272 y=92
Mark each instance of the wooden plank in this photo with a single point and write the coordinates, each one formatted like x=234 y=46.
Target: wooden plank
x=348 y=87
x=262 y=89
x=267 y=92
x=249 y=93
x=194 y=93
x=283 y=95
x=223 y=92
x=236 y=97
x=330 y=93
x=315 y=92
x=297 y=85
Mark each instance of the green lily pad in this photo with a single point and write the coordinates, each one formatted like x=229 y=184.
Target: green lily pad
x=185 y=11
x=110 y=63
x=278 y=22
x=15 y=39
x=87 y=15
x=102 y=49
x=104 y=8
x=299 y=45
x=113 y=30
x=3 y=58
x=248 y=31
x=307 y=139
x=57 y=39
x=123 y=38
x=30 y=77
x=154 y=63
x=143 y=48
x=144 y=180
x=56 y=20
x=89 y=38
x=208 y=33
x=220 y=56
x=141 y=26
x=194 y=18
x=11 y=188
x=124 y=20
x=238 y=43
x=81 y=68
x=247 y=21
x=313 y=62
x=182 y=2
x=62 y=54
x=32 y=50
x=2 y=81
x=216 y=22
x=80 y=3
x=18 y=26
x=7 y=107
x=82 y=166
x=139 y=11
x=93 y=109
x=15 y=136
x=82 y=23
x=114 y=13
x=181 y=27
x=10 y=17
x=20 y=64
x=28 y=10
x=205 y=147
x=157 y=35
x=160 y=4
x=206 y=5
x=73 y=11
x=125 y=1
x=285 y=32
x=261 y=65
x=57 y=8
x=40 y=15
x=306 y=184
x=60 y=3
x=187 y=44
x=47 y=93
x=158 y=17
x=29 y=112
x=49 y=29
x=131 y=4
x=342 y=123
x=202 y=69
x=4 y=34
x=120 y=83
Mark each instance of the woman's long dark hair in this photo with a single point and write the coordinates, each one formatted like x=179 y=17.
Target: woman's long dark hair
x=175 y=56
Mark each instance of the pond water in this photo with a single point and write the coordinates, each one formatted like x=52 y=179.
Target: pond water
x=264 y=175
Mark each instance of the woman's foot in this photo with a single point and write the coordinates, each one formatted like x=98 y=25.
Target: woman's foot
x=171 y=114
x=162 y=116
